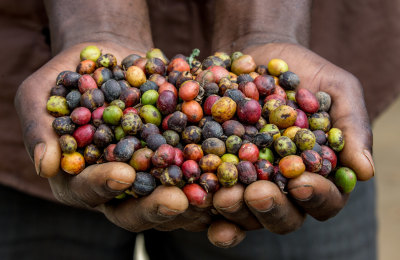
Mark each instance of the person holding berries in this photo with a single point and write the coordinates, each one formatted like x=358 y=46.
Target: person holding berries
x=255 y=221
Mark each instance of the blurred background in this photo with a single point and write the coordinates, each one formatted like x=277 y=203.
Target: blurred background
x=387 y=157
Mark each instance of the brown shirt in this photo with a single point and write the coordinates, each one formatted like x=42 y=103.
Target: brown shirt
x=361 y=36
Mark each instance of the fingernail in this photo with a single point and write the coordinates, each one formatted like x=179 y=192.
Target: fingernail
x=235 y=239
x=38 y=154
x=262 y=205
x=167 y=212
x=371 y=161
x=214 y=212
x=226 y=244
x=232 y=208
x=302 y=193
x=116 y=185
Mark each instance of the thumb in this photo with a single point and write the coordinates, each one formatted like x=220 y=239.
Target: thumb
x=357 y=152
x=349 y=114
x=40 y=140
x=46 y=157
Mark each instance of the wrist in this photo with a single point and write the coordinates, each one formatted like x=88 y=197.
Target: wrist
x=259 y=22
x=123 y=22
x=106 y=40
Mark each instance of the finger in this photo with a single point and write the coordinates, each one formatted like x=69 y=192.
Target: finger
x=229 y=202
x=161 y=206
x=193 y=219
x=357 y=151
x=199 y=224
x=224 y=234
x=317 y=195
x=197 y=218
x=94 y=185
x=272 y=208
x=348 y=111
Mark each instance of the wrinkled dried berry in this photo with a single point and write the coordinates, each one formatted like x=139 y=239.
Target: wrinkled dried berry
x=144 y=183
x=284 y=146
x=129 y=60
x=131 y=123
x=67 y=143
x=263 y=140
x=57 y=106
x=227 y=174
x=191 y=134
x=171 y=176
x=171 y=137
x=212 y=129
x=73 y=99
x=111 y=90
x=336 y=139
x=91 y=154
x=70 y=80
x=289 y=80
x=312 y=160
x=59 y=90
x=155 y=140
x=209 y=182
x=63 y=125
x=124 y=149
x=92 y=99
x=103 y=136
x=213 y=146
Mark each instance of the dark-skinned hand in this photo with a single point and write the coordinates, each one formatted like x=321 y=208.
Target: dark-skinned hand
x=262 y=204
x=167 y=208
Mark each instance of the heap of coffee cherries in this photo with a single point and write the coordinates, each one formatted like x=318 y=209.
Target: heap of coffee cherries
x=196 y=125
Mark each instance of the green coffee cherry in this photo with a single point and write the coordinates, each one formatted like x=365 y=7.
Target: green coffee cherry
x=345 y=179
x=119 y=133
x=150 y=114
x=112 y=115
x=266 y=154
x=150 y=97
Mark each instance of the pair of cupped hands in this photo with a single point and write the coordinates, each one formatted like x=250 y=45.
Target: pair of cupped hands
x=260 y=205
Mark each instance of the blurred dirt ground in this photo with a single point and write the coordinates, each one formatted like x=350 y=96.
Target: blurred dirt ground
x=386 y=156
